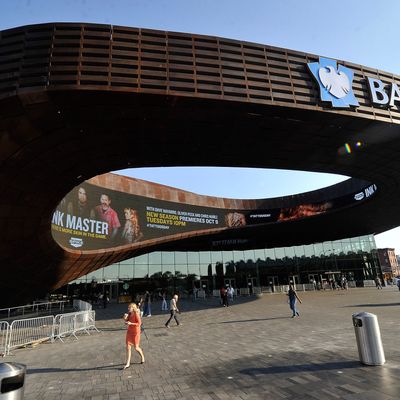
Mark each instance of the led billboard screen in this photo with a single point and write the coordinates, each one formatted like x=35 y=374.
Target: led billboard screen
x=91 y=217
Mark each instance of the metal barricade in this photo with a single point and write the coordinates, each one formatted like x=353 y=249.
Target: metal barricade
x=84 y=321
x=35 y=308
x=4 y=329
x=257 y=290
x=309 y=286
x=82 y=305
x=244 y=291
x=72 y=323
x=28 y=331
x=92 y=321
x=36 y=330
x=64 y=325
x=81 y=322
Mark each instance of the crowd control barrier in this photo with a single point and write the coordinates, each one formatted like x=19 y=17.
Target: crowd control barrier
x=64 y=325
x=82 y=305
x=31 y=330
x=36 y=330
x=85 y=321
x=36 y=308
x=4 y=329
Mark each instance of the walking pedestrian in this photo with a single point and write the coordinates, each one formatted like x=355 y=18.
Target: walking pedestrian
x=224 y=296
x=164 y=305
x=133 y=321
x=147 y=305
x=292 y=301
x=231 y=293
x=105 y=299
x=378 y=283
x=173 y=309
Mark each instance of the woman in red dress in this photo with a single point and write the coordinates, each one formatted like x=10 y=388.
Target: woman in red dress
x=133 y=321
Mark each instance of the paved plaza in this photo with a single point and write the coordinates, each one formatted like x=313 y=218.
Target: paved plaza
x=250 y=350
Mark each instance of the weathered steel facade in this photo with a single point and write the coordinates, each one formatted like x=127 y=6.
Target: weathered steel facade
x=79 y=100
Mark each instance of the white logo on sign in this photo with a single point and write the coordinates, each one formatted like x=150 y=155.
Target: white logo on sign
x=369 y=191
x=359 y=196
x=336 y=83
x=76 y=242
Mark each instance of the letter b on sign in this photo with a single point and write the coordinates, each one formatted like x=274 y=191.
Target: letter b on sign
x=378 y=94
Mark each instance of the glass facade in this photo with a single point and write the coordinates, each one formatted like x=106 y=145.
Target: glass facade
x=355 y=258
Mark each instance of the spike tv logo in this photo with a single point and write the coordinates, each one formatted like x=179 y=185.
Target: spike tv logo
x=335 y=83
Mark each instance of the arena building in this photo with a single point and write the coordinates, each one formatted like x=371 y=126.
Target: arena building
x=79 y=100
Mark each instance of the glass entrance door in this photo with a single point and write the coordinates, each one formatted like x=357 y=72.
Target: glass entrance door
x=314 y=280
x=251 y=283
x=273 y=280
x=294 y=280
x=230 y=282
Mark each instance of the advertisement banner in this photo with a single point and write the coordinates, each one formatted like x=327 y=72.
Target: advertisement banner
x=92 y=217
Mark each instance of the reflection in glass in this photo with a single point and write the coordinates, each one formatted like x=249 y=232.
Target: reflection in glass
x=125 y=271
x=142 y=260
x=299 y=251
x=355 y=258
x=238 y=255
x=181 y=258
x=167 y=258
x=259 y=254
x=227 y=256
x=203 y=270
x=280 y=253
x=193 y=269
x=270 y=253
x=216 y=256
x=249 y=255
x=155 y=258
x=155 y=271
x=96 y=275
x=318 y=249
x=111 y=272
x=289 y=252
x=193 y=257
x=328 y=248
x=140 y=271
x=205 y=257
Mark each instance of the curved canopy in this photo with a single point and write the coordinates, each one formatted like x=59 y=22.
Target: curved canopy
x=79 y=100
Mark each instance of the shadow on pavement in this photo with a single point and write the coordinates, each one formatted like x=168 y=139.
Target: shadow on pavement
x=375 y=305
x=100 y=368
x=115 y=310
x=249 y=320
x=301 y=368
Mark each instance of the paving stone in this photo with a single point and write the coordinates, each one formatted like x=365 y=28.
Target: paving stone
x=251 y=350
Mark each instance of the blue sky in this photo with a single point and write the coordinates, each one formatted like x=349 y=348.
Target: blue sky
x=361 y=31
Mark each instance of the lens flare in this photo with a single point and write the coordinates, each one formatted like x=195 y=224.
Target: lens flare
x=348 y=148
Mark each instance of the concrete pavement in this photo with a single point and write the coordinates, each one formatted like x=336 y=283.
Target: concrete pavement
x=250 y=350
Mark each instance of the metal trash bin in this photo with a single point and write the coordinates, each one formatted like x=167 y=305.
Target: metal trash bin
x=12 y=380
x=368 y=336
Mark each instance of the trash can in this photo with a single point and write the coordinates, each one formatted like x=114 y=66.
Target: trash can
x=12 y=380
x=368 y=336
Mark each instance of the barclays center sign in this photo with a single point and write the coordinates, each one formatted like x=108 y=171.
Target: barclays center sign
x=336 y=86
